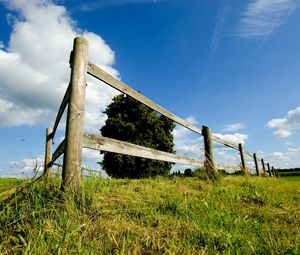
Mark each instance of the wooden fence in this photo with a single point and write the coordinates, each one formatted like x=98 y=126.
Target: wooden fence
x=76 y=139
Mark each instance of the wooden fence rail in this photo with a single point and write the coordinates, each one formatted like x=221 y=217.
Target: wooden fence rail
x=76 y=139
x=111 y=145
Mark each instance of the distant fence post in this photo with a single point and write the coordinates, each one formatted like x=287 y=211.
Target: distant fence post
x=276 y=172
x=273 y=171
x=256 y=164
x=244 y=168
x=209 y=163
x=74 y=128
x=263 y=165
x=48 y=155
x=269 y=169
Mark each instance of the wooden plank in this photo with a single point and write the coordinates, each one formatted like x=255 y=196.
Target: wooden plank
x=74 y=129
x=229 y=144
x=222 y=141
x=98 y=73
x=61 y=110
x=58 y=152
x=111 y=145
x=221 y=166
x=48 y=155
x=82 y=168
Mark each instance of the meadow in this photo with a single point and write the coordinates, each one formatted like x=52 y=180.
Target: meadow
x=175 y=215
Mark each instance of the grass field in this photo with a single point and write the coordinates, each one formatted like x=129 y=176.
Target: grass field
x=9 y=186
x=235 y=215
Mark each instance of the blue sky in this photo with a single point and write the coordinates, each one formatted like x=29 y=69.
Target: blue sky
x=231 y=65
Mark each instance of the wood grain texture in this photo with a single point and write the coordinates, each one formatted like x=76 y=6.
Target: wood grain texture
x=58 y=152
x=209 y=162
x=48 y=155
x=98 y=73
x=82 y=168
x=111 y=145
x=61 y=110
x=74 y=128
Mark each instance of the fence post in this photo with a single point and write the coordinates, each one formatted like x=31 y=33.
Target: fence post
x=48 y=155
x=263 y=165
x=74 y=126
x=276 y=172
x=256 y=164
x=269 y=169
x=209 y=163
x=273 y=171
x=244 y=168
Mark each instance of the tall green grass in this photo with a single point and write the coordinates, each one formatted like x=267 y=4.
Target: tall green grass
x=234 y=215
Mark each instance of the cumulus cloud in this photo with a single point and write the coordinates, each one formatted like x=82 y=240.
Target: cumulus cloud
x=234 y=138
x=187 y=143
x=285 y=159
x=191 y=145
x=287 y=125
x=262 y=17
x=226 y=156
x=91 y=155
x=34 y=67
x=27 y=167
x=234 y=127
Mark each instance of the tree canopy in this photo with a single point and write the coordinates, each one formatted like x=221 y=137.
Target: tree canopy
x=129 y=120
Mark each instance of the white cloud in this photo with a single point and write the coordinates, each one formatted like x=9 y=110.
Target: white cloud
x=34 y=69
x=234 y=138
x=92 y=156
x=262 y=17
x=285 y=159
x=27 y=166
x=287 y=125
x=227 y=156
x=282 y=133
x=234 y=127
x=187 y=143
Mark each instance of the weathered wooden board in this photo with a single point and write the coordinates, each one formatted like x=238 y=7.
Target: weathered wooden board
x=111 y=145
x=58 y=152
x=61 y=110
x=220 y=166
x=82 y=168
x=98 y=73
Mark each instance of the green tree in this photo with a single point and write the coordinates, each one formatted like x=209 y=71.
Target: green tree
x=129 y=120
